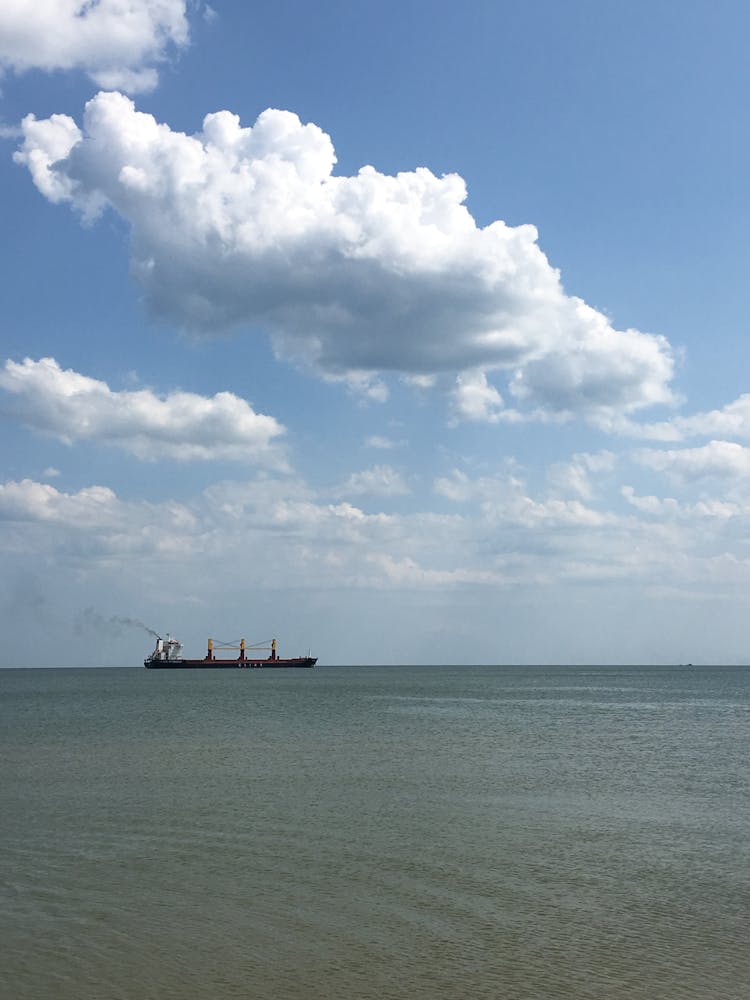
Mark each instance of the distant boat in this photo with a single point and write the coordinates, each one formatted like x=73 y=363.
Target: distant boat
x=168 y=655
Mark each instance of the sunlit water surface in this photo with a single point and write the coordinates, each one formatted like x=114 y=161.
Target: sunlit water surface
x=432 y=832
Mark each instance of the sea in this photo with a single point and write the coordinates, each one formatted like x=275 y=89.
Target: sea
x=375 y=832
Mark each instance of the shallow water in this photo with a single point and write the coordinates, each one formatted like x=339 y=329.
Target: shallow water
x=435 y=832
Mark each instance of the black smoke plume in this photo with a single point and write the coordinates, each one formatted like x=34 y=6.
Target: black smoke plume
x=90 y=619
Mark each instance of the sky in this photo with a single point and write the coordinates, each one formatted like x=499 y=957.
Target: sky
x=403 y=332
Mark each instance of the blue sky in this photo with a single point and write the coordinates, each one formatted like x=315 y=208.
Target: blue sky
x=472 y=391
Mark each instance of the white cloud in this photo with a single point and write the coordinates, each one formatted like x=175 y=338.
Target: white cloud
x=669 y=507
x=407 y=572
x=380 y=480
x=423 y=382
x=575 y=476
x=117 y=42
x=365 y=386
x=475 y=399
x=287 y=538
x=181 y=425
x=46 y=143
x=718 y=459
x=31 y=501
x=733 y=420
x=93 y=524
x=650 y=504
x=595 y=369
x=371 y=273
x=730 y=421
x=382 y=443
x=503 y=500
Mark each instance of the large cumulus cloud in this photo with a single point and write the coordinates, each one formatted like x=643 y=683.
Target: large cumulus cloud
x=117 y=42
x=250 y=227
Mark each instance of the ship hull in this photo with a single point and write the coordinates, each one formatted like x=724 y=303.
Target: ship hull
x=272 y=664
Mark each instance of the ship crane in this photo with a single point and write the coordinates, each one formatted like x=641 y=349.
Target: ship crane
x=242 y=647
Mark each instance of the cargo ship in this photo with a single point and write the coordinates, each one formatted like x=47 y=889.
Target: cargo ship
x=168 y=654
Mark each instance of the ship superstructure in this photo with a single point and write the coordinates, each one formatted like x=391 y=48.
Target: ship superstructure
x=167 y=650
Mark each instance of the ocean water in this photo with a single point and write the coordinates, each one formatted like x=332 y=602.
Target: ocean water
x=422 y=832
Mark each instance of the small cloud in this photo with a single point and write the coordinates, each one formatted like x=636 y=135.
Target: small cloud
x=51 y=472
x=380 y=480
x=575 y=476
x=382 y=443
x=11 y=132
x=423 y=382
x=717 y=459
x=650 y=504
x=475 y=399
x=365 y=386
x=31 y=501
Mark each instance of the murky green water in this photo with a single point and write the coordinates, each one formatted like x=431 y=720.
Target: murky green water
x=374 y=833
